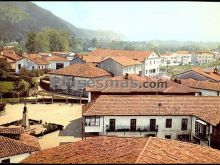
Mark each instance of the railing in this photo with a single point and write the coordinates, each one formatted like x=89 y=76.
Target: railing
x=201 y=136
x=138 y=129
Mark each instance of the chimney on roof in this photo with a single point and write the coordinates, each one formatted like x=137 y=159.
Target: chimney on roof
x=126 y=76
x=25 y=119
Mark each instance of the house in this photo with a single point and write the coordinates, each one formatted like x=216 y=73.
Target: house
x=149 y=59
x=202 y=57
x=186 y=118
x=120 y=65
x=10 y=56
x=31 y=62
x=75 y=77
x=57 y=62
x=67 y=55
x=14 y=151
x=205 y=87
x=86 y=58
x=200 y=75
x=124 y=150
x=133 y=84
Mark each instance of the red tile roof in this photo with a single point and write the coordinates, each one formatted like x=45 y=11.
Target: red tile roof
x=37 y=59
x=9 y=53
x=134 y=54
x=56 y=58
x=125 y=61
x=204 y=107
x=201 y=84
x=126 y=150
x=30 y=140
x=172 y=87
x=81 y=70
x=208 y=73
x=11 y=147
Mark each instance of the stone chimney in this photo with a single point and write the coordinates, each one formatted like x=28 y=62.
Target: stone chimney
x=215 y=70
x=126 y=76
x=25 y=119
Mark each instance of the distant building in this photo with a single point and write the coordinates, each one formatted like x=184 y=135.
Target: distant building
x=124 y=150
x=149 y=59
x=57 y=62
x=74 y=77
x=121 y=65
x=200 y=75
x=206 y=88
x=202 y=57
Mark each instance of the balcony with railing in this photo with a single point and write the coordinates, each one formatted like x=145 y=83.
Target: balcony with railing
x=129 y=129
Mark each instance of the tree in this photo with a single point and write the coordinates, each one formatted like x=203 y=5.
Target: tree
x=31 y=42
x=4 y=66
x=19 y=48
x=24 y=86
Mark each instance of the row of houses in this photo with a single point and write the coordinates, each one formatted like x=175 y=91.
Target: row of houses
x=187 y=57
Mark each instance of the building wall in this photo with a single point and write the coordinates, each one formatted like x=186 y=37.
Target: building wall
x=62 y=82
x=29 y=65
x=209 y=92
x=52 y=64
x=76 y=60
x=152 y=62
x=111 y=66
x=143 y=121
x=16 y=158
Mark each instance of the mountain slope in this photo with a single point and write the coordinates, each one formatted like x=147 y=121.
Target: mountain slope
x=18 y=18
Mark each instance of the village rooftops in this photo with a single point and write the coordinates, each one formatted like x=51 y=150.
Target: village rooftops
x=200 y=84
x=37 y=59
x=10 y=147
x=56 y=58
x=126 y=150
x=9 y=53
x=81 y=70
x=204 y=107
x=30 y=140
x=133 y=54
x=91 y=58
x=162 y=85
x=124 y=61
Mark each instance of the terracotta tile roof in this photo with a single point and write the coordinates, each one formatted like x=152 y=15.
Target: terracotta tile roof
x=10 y=147
x=37 y=59
x=56 y=58
x=134 y=54
x=81 y=70
x=126 y=150
x=171 y=88
x=9 y=53
x=204 y=107
x=125 y=61
x=11 y=130
x=182 y=52
x=201 y=84
x=92 y=59
x=166 y=151
x=30 y=140
x=207 y=73
x=167 y=54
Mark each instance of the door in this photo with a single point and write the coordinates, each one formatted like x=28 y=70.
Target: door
x=112 y=125
x=133 y=125
x=152 y=124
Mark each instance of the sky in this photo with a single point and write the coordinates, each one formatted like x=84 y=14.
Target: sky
x=143 y=21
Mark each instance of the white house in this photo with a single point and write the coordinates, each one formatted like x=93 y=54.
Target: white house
x=186 y=118
x=57 y=62
x=14 y=151
x=121 y=65
x=31 y=62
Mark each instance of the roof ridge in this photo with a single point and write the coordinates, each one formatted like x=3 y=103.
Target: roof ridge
x=142 y=152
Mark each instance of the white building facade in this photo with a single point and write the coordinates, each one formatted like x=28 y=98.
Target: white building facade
x=151 y=65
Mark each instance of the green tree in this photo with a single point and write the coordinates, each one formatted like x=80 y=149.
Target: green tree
x=19 y=48
x=31 y=42
x=24 y=86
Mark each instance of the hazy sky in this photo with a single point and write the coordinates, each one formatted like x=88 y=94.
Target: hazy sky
x=139 y=21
